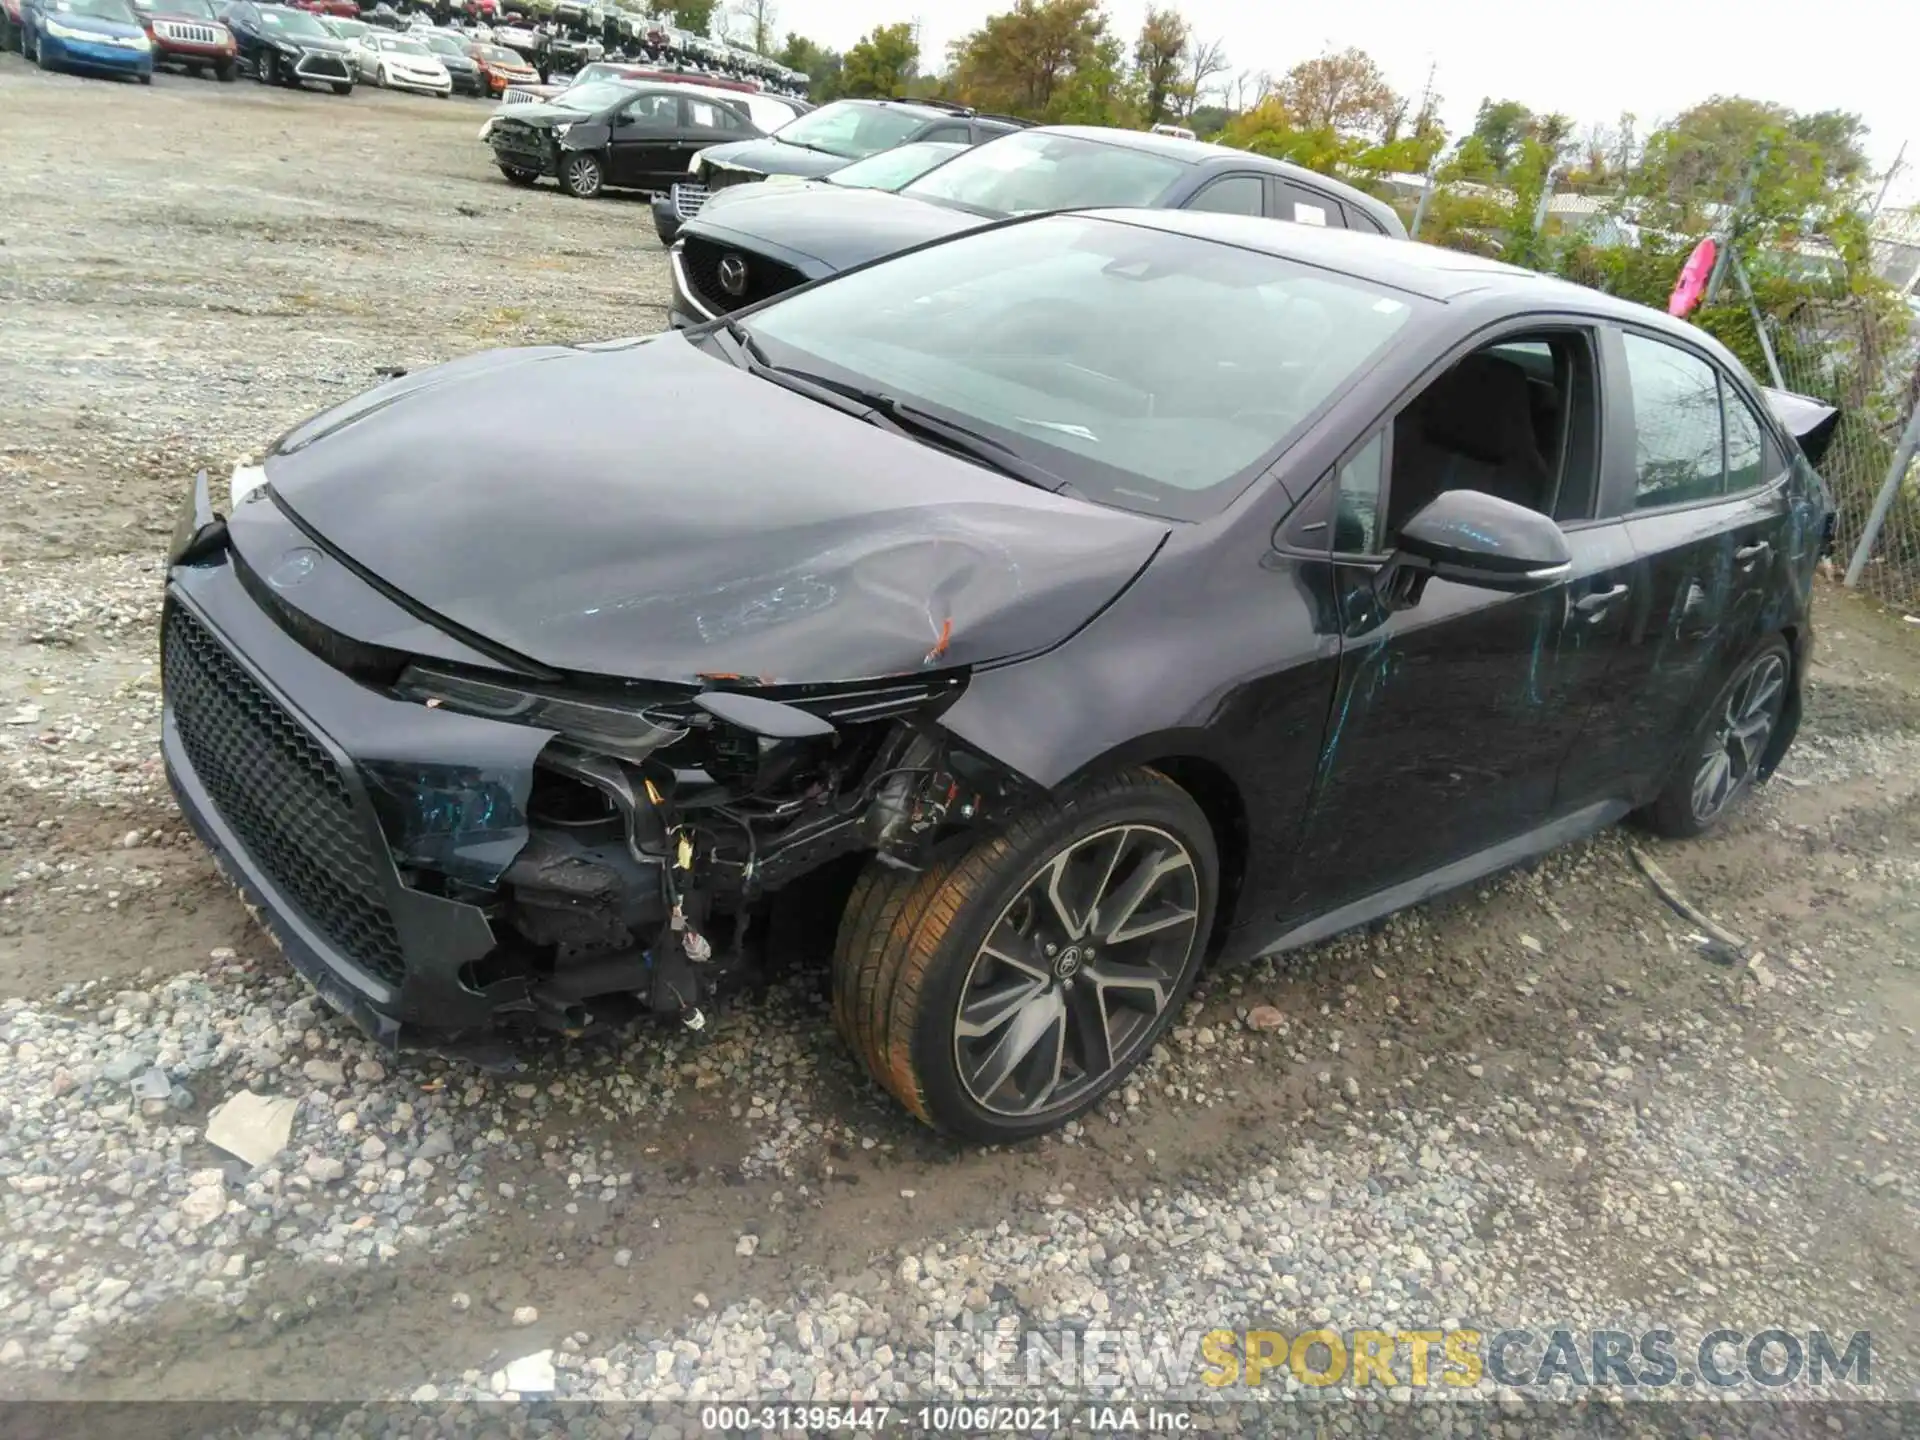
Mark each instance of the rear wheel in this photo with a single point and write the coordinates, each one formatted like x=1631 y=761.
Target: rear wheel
x=343 y=87
x=1723 y=760
x=1005 y=991
x=581 y=175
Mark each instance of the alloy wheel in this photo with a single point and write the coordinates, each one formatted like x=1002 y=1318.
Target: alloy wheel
x=1736 y=743
x=583 y=175
x=1077 y=971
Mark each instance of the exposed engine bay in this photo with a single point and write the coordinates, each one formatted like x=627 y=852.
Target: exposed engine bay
x=644 y=871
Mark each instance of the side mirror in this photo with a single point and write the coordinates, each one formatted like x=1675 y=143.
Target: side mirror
x=1476 y=539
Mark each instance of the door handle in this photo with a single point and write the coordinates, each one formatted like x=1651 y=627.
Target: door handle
x=1747 y=555
x=1598 y=601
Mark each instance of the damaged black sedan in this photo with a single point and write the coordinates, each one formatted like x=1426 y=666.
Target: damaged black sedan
x=1063 y=604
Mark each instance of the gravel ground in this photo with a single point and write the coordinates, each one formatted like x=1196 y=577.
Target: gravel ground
x=1531 y=1105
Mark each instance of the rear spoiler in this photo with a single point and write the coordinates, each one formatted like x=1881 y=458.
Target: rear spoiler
x=1811 y=422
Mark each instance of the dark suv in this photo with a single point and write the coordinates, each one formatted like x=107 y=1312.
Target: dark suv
x=819 y=143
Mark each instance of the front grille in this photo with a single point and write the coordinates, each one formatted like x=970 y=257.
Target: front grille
x=186 y=34
x=279 y=791
x=765 y=278
x=321 y=67
x=688 y=199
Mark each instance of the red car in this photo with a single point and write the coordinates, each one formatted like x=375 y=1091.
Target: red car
x=342 y=9
x=188 y=34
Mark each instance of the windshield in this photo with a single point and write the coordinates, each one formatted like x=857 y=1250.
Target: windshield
x=594 y=95
x=891 y=169
x=403 y=47
x=99 y=10
x=1029 y=171
x=196 y=9
x=293 y=22
x=1153 y=371
x=499 y=55
x=599 y=72
x=852 y=130
x=349 y=29
x=445 y=45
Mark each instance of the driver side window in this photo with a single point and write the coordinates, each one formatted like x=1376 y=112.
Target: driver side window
x=652 y=112
x=1518 y=419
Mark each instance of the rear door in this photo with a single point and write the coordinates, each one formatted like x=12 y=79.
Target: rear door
x=643 y=138
x=1704 y=502
x=703 y=122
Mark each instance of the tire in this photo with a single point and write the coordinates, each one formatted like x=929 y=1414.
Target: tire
x=1724 y=753
x=267 y=69
x=343 y=87
x=912 y=948
x=518 y=176
x=147 y=79
x=581 y=174
x=380 y=77
x=223 y=72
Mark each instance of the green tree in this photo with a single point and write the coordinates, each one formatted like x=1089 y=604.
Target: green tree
x=1157 y=57
x=884 y=62
x=1342 y=91
x=1038 y=59
x=820 y=65
x=1500 y=126
x=693 y=15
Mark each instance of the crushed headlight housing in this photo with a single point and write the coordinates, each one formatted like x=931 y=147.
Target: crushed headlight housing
x=627 y=731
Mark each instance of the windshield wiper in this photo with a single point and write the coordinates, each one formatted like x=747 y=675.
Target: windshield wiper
x=981 y=448
x=879 y=408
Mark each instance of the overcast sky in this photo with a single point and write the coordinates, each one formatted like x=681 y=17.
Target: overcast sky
x=1651 y=57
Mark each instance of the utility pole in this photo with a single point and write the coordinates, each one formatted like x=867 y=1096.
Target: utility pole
x=1740 y=205
x=1887 y=184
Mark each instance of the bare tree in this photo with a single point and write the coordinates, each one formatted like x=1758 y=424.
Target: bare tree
x=1248 y=89
x=1204 y=61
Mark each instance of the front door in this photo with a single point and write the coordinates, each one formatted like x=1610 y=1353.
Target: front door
x=641 y=141
x=1706 y=509
x=1451 y=717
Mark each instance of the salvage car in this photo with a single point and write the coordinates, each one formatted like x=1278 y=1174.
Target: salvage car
x=501 y=67
x=836 y=134
x=188 y=34
x=102 y=36
x=608 y=134
x=284 y=46
x=400 y=62
x=1091 y=594
x=451 y=51
x=720 y=263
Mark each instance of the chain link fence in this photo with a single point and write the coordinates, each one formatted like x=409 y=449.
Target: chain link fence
x=1863 y=359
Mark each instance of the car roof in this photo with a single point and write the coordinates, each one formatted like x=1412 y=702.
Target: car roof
x=1425 y=270
x=1207 y=155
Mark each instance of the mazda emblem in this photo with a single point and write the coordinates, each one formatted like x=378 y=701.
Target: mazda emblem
x=733 y=275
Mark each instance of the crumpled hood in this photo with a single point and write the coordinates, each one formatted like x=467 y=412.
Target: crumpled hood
x=837 y=225
x=647 y=510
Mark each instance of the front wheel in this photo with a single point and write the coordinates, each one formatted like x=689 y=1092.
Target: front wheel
x=518 y=176
x=343 y=87
x=1006 y=990
x=223 y=72
x=267 y=69
x=581 y=175
x=1723 y=761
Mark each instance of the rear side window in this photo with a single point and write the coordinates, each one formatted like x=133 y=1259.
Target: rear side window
x=1678 y=454
x=949 y=134
x=1752 y=460
x=1309 y=207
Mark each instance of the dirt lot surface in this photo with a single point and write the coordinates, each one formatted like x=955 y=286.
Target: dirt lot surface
x=1533 y=1105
